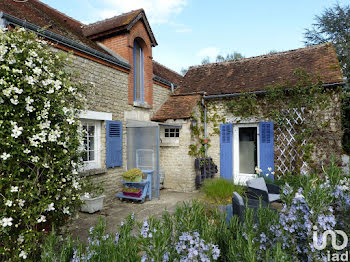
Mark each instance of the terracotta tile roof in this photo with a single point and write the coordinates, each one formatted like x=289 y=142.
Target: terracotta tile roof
x=253 y=74
x=166 y=73
x=116 y=24
x=177 y=107
x=40 y=14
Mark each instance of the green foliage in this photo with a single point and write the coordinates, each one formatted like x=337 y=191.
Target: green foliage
x=235 y=56
x=91 y=188
x=333 y=25
x=264 y=234
x=40 y=136
x=220 y=190
x=132 y=174
x=244 y=106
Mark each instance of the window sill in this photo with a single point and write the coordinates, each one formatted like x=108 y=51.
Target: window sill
x=141 y=104
x=91 y=172
x=174 y=144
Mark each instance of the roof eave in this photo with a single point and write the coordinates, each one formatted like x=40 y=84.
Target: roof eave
x=7 y=19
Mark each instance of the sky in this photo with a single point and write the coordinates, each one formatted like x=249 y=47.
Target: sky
x=189 y=30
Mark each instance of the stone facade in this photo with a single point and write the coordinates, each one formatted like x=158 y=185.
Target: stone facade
x=107 y=91
x=178 y=166
x=327 y=142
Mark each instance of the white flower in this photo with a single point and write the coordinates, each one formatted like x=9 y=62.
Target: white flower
x=29 y=100
x=41 y=219
x=26 y=151
x=14 y=189
x=258 y=170
x=298 y=195
x=76 y=185
x=5 y=156
x=50 y=207
x=20 y=239
x=14 y=101
x=50 y=91
x=21 y=202
x=35 y=159
x=23 y=254
x=30 y=80
x=16 y=131
x=66 y=210
x=272 y=173
x=37 y=71
x=6 y=221
x=269 y=168
x=87 y=195
x=29 y=108
x=267 y=174
x=8 y=203
x=70 y=120
x=46 y=165
x=18 y=91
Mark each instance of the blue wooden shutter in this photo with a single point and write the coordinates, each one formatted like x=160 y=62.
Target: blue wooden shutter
x=114 y=143
x=226 y=154
x=266 y=147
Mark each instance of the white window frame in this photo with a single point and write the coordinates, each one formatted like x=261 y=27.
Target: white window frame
x=241 y=178
x=96 y=163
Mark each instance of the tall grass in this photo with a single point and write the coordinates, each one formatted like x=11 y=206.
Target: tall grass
x=219 y=191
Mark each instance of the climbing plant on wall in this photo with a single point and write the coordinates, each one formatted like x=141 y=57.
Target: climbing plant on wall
x=298 y=105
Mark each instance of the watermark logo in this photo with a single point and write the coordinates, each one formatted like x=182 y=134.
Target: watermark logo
x=333 y=234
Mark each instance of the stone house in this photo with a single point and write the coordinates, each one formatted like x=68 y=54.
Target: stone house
x=142 y=114
x=240 y=144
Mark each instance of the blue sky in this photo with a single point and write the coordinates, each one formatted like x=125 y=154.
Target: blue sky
x=189 y=30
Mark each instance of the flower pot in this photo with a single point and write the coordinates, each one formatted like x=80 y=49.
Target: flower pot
x=135 y=179
x=133 y=194
x=92 y=205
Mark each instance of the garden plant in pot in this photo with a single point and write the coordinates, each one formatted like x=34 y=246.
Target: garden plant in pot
x=92 y=197
x=133 y=175
x=132 y=191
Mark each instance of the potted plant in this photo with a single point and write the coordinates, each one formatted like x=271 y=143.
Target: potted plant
x=92 y=197
x=133 y=175
x=132 y=191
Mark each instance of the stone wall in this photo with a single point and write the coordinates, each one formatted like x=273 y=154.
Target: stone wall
x=178 y=166
x=327 y=141
x=107 y=91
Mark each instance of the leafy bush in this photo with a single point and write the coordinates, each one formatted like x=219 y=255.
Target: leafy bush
x=220 y=190
x=39 y=141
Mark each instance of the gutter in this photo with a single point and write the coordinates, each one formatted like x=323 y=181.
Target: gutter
x=6 y=19
x=262 y=92
x=163 y=81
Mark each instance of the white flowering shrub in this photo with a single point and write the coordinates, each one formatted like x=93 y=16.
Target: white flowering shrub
x=39 y=141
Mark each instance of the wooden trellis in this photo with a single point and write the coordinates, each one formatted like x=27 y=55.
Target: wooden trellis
x=288 y=158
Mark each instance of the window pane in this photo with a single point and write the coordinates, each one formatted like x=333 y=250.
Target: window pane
x=91 y=143
x=138 y=71
x=247 y=150
x=91 y=155
x=91 y=130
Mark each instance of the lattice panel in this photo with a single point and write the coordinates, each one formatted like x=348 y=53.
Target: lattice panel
x=287 y=155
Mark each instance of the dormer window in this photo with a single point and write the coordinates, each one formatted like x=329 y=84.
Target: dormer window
x=138 y=72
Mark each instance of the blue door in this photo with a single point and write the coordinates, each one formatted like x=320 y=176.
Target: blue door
x=226 y=151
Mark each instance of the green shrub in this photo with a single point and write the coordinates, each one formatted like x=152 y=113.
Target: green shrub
x=220 y=190
x=39 y=143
